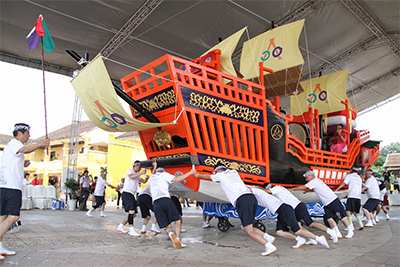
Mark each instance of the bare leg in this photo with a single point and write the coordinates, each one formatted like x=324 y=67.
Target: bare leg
x=254 y=234
x=319 y=226
x=332 y=223
x=367 y=214
x=177 y=228
x=125 y=220
x=146 y=220
x=6 y=222
x=305 y=233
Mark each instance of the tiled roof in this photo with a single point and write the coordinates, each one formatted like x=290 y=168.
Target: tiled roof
x=65 y=132
x=393 y=160
x=4 y=139
x=128 y=135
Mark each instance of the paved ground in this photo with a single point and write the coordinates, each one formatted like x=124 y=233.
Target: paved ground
x=69 y=238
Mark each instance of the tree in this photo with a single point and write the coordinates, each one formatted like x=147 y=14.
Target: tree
x=378 y=167
x=390 y=149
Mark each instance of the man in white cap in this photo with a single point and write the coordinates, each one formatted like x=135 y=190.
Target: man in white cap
x=164 y=208
x=373 y=194
x=332 y=204
x=99 y=195
x=300 y=210
x=244 y=201
x=286 y=219
x=353 y=203
x=132 y=179
x=11 y=179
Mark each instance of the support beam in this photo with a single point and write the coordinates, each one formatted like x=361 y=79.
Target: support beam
x=35 y=64
x=344 y=57
x=143 y=12
x=385 y=77
x=378 y=105
x=372 y=25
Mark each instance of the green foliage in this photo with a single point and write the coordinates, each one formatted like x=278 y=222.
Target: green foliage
x=390 y=149
x=73 y=186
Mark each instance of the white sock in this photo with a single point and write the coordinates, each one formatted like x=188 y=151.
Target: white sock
x=1 y=244
x=349 y=231
x=153 y=225
x=144 y=228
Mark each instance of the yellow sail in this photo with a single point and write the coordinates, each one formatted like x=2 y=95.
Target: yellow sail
x=324 y=93
x=227 y=47
x=277 y=49
x=100 y=102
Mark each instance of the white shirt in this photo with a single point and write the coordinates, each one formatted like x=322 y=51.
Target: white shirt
x=146 y=190
x=159 y=183
x=373 y=188
x=85 y=181
x=232 y=184
x=355 y=185
x=285 y=196
x=27 y=182
x=100 y=187
x=12 y=166
x=324 y=193
x=382 y=194
x=266 y=200
x=130 y=185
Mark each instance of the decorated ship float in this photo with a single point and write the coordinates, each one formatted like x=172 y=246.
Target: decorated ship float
x=205 y=111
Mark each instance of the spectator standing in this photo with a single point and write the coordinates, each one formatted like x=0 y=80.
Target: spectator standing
x=396 y=183
x=11 y=179
x=27 y=181
x=84 y=189
x=119 y=189
x=35 y=180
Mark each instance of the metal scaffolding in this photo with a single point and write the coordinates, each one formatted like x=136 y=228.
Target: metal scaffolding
x=73 y=150
x=143 y=12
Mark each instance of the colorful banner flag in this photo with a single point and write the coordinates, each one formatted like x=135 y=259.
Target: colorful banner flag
x=324 y=93
x=227 y=47
x=100 y=102
x=40 y=30
x=278 y=50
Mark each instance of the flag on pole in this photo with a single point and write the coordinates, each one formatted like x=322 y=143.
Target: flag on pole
x=40 y=30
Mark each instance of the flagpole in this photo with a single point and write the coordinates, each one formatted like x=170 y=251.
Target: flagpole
x=44 y=95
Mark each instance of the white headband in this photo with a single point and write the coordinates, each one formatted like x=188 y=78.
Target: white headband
x=136 y=164
x=22 y=127
x=160 y=169
x=308 y=174
x=356 y=169
x=219 y=168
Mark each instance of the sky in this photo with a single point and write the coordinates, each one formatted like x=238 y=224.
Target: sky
x=22 y=101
